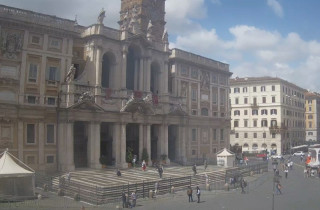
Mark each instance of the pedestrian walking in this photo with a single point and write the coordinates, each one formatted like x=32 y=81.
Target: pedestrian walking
x=274 y=166
x=144 y=165
x=68 y=177
x=198 y=193
x=286 y=172
x=291 y=164
x=156 y=188
x=133 y=199
x=194 y=169
x=160 y=171
x=205 y=164
x=207 y=179
x=134 y=160
x=278 y=188
x=243 y=185
x=301 y=158
x=305 y=173
x=118 y=172
x=189 y=193
x=123 y=197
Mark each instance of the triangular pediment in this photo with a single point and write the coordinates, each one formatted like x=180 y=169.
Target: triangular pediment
x=88 y=105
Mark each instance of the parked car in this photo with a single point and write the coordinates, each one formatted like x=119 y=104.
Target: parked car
x=299 y=153
x=276 y=156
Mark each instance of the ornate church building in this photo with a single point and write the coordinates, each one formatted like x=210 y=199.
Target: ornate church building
x=71 y=94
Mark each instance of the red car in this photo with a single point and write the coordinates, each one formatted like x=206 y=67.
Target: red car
x=261 y=155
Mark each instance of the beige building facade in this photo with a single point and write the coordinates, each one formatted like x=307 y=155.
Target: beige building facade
x=312 y=116
x=267 y=113
x=71 y=94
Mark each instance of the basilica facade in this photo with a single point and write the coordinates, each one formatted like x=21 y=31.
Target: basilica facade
x=71 y=94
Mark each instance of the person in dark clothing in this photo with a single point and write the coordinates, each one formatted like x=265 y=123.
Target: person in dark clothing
x=160 y=171
x=194 y=169
x=124 y=199
x=243 y=184
x=118 y=172
x=198 y=193
x=189 y=193
x=205 y=164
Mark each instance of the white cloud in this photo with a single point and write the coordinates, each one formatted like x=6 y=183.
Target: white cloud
x=180 y=15
x=276 y=7
x=249 y=37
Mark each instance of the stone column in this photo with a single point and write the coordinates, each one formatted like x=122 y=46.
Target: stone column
x=140 y=140
x=123 y=147
x=141 y=88
x=164 y=140
x=182 y=139
x=136 y=74
x=147 y=74
x=41 y=138
x=123 y=78
x=42 y=77
x=20 y=140
x=164 y=89
x=147 y=138
x=23 y=73
x=116 y=143
x=66 y=146
x=94 y=145
x=98 y=66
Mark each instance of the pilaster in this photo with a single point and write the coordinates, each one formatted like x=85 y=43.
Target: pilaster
x=20 y=140
x=41 y=140
x=94 y=145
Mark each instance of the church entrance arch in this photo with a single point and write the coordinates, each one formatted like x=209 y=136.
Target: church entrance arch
x=106 y=142
x=107 y=74
x=133 y=66
x=172 y=142
x=80 y=133
x=155 y=77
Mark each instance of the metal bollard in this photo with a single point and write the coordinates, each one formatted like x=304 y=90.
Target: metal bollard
x=208 y=188
x=150 y=194
x=226 y=186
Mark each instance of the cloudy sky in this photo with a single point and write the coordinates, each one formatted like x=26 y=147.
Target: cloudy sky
x=256 y=37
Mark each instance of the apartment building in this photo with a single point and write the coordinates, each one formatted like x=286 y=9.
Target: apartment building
x=267 y=113
x=312 y=116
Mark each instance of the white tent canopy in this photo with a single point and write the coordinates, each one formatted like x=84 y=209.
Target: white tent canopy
x=9 y=168
x=225 y=158
x=16 y=182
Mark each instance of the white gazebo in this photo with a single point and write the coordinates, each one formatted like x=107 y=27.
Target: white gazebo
x=225 y=158
x=16 y=181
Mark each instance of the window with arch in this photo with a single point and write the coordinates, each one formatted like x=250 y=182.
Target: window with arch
x=254 y=146
x=204 y=112
x=245 y=146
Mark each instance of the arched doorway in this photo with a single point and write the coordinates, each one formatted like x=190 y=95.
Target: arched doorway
x=133 y=66
x=107 y=74
x=155 y=78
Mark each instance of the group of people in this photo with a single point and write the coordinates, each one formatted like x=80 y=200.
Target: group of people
x=190 y=194
x=129 y=202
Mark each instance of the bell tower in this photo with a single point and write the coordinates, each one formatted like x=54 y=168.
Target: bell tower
x=135 y=16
